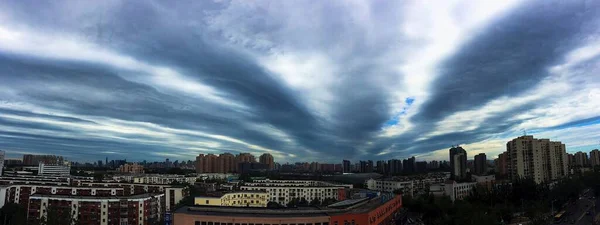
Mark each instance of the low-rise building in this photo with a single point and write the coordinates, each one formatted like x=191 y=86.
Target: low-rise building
x=458 y=190
x=365 y=211
x=390 y=185
x=50 y=169
x=283 y=191
x=18 y=191
x=236 y=199
x=144 y=209
x=485 y=181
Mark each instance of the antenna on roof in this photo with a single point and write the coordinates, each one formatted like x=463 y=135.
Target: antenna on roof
x=524 y=133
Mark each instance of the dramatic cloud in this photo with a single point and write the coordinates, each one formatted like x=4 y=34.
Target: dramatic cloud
x=304 y=81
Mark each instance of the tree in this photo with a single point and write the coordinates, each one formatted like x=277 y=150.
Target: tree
x=315 y=202
x=303 y=202
x=293 y=203
x=13 y=214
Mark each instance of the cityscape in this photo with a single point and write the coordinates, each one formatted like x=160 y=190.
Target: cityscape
x=49 y=189
x=299 y=112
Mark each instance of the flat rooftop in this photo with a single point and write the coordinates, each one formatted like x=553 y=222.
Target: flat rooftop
x=251 y=212
x=347 y=206
x=146 y=195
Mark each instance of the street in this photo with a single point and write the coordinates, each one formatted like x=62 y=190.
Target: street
x=575 y=213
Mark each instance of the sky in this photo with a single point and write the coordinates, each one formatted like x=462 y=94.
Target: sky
x=301 y=80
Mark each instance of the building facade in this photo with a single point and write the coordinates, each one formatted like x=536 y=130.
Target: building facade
x=267 y=159
x=480 y=164
x=375 y=211
x=283 y=191
x=235 y=199
x=346 y=165
x=142 y=209
x=458 y=191
x=19 y=191
x=131 y=168
x=502 y=164
x=390 y=186
x=2 y=155
x=394 y=166
x=458 y=163
x=49 y=169
x=538 y=159
x=595 y=157
x=581 y=159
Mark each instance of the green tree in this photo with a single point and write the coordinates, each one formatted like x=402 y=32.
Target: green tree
x=13 y=214
x=315 y=202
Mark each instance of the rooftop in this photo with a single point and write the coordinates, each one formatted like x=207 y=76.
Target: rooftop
x=146 y=195
x=362 y=205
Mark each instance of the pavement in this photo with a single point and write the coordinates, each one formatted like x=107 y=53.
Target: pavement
x=576 y=212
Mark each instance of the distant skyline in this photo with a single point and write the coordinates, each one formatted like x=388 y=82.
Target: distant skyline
x=303 y=80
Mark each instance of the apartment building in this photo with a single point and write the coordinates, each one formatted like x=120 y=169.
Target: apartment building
x=131 y=168
x=595 y=157
x=164 y=179
x=390 y=186
x=267 y=159
x=54 y=169
x=458 y=190
x=236 y=199
x=539 y=159
x=144 y=209
x=283 y=191
x=19 y=191
x=581 y=159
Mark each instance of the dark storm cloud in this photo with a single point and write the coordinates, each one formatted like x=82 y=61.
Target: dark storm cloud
x=510 y=56
x=106 y=92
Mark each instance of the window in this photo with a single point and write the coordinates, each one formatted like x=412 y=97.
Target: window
x=197 y=223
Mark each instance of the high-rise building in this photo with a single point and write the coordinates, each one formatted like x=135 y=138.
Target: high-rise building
x=32 y=160
x=408 y=165
x=224 y=163
x=595 y=157
x=131 y=168
x=581 y=159
x=394 y=166
x=363 y=166
x=458 y=163
x=267 y=159
x=538 y=159
x=421 y=166
x=570 y=160
x=2 y=154
x=381 y=167
x=502 y=164
x=227 y=160
x=433 y=164
x=480 y=164
x=346 y=166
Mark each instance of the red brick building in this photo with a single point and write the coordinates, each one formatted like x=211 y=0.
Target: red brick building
x=98 y=210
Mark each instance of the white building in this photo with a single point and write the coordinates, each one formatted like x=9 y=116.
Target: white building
x=283 y=191
x=283 y=195
x=458 y=190
x=164 y=179
x=44 y=169
x=390 y=185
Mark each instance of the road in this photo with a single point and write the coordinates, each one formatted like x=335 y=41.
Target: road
x=576 y=212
